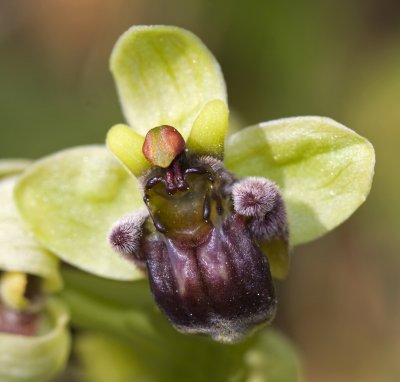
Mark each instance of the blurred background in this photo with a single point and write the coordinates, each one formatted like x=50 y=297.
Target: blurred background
x=340 y=305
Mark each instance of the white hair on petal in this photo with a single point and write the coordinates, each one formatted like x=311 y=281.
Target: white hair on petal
x=254 y=196
x=125 y=234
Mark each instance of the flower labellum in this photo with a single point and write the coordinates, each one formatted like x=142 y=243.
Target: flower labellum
x=200 y=243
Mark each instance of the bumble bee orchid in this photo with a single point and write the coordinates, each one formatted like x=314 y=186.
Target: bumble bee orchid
x=209 y=219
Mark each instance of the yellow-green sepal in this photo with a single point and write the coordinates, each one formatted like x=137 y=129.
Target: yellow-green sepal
x=208 y=132
x=126 y=144
x=70 y=199
x=164 y=76
x=324 y=170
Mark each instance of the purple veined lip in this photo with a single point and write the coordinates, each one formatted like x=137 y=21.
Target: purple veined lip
x=199 y=239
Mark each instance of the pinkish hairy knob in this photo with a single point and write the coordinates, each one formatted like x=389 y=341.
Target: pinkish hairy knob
x=162 y=145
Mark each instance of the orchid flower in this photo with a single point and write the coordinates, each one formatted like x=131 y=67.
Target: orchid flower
x=209 y=219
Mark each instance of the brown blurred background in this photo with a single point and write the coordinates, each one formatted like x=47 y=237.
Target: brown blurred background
x=341 y=302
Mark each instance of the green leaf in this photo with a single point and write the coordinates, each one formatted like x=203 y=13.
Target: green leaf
x=13 y=166
x=164 y=76
x=323 y=169
x=38 y=358
x=19 y=251
x=70 y=199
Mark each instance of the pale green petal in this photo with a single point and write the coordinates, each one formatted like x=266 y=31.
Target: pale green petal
x=13 y=166
x=70 y=199
x=126 y=144
x=38 y=358
x=164 y=76
x=323 y=169
x=19 y=251
x=209 y=129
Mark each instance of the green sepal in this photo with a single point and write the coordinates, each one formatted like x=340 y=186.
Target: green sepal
x=209 y=129
x=70 y=199
x=324 y=170
x=126 y=144
x=164 y=76
x=38 y=358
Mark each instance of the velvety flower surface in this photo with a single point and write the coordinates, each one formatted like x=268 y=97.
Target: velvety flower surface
x=208 y=218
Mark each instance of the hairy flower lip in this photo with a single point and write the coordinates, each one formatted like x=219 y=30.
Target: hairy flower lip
x=222 y=287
